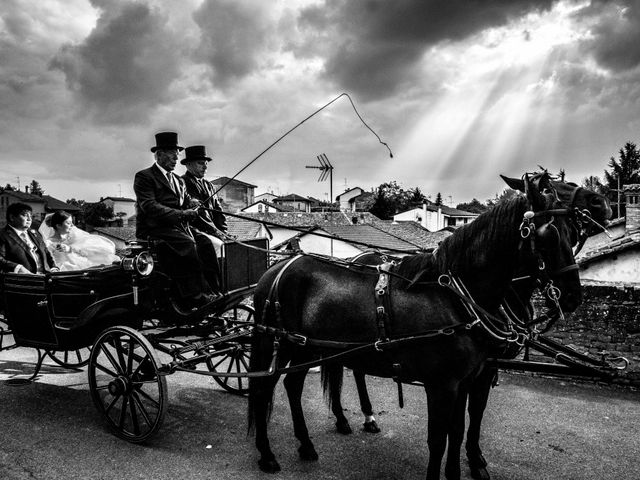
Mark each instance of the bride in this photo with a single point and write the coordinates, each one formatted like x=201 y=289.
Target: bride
x=73 y=248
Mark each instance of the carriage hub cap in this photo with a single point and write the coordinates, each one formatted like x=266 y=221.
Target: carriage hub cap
x=118 y=386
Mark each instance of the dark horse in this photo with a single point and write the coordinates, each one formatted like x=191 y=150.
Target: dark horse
x=517 y=302
x=309 y=307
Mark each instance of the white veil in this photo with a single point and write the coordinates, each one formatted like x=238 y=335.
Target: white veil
x=98 y=250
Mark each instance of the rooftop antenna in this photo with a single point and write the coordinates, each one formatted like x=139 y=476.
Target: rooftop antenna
x=18 y=179
x=326 y=170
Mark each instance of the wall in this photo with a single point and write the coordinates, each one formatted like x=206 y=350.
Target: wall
x=608 y=319
x=623 y=267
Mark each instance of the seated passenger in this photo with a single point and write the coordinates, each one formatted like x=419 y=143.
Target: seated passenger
x=71 y=247
x=22 y=250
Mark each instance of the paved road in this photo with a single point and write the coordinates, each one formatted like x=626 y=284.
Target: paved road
x=535 y=428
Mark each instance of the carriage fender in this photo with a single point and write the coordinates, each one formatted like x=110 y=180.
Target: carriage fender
x=116 y=305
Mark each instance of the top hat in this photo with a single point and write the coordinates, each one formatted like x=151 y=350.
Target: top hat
x=166 y=141
x=194 y=153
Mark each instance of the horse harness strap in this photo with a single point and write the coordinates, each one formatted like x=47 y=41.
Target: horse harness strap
x=383 y=301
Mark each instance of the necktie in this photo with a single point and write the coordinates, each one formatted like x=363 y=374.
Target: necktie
x=171 y=182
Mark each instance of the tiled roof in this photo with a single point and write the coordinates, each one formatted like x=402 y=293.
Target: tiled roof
x=224 y=180
x=305 y=220
x=370 y=235
x=125 y=234
x=119 y=199
x=628 y=242
x=243 y=229
x=24 y=197
x=414 y=232
x=292 y=197
x=55 y=204
x=50 y=203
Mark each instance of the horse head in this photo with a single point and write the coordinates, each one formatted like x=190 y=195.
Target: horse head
x=549 y=232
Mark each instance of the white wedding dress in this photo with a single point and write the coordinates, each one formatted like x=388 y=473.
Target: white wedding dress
x=79 y=250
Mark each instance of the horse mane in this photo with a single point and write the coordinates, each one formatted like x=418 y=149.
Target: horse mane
x=467 y=245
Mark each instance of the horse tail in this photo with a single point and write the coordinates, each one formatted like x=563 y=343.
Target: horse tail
x=331 y=376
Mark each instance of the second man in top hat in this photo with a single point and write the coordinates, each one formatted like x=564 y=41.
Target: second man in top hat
x=211 y=221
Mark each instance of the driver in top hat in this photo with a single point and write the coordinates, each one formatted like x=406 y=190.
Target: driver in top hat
x=211 y=221
x=164 y=212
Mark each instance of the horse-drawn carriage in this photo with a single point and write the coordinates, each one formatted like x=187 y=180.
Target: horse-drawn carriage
x=311 y=310
x=123 y=321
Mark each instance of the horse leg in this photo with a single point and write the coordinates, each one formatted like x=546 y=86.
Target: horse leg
x=261 y=397
x=333 y=375
x=440 y=405
x=294 y=383
x=369 y=424
x=478 y=397
x=455 y=437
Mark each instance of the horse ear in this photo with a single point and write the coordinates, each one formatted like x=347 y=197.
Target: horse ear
x=515 y=183
x=536 y=198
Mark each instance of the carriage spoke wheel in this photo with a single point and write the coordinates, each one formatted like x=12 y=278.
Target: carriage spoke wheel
x=235 y=358
x=70 y=358
x=125 y=384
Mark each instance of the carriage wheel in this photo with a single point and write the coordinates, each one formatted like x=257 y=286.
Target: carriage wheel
x=237 y=352
x=125 y=384
x=70 y=358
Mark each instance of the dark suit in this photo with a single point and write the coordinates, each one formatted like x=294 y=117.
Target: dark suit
x=14 y=251
x=203 y=190
x=209 y=222
x=160 y=216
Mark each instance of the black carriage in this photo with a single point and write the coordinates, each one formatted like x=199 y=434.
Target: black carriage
x=125 y=323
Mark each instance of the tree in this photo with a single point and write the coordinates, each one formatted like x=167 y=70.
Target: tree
x=35 y=188
x=390 y=199
x=439 y=199
x=474 y=206
x=9 y=187
x=506 y=194
x=623 y=172
x=97 y=214
x=592 y=183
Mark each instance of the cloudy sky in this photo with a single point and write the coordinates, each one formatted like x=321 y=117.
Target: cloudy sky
x=461 y=90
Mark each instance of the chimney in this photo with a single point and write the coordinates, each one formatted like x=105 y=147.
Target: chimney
x=26 y=189
x=423 y=220
x=632 y=200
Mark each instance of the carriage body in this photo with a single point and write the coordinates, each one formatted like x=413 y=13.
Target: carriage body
x=63 y=311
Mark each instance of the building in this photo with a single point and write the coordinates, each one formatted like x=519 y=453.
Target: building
x=263 y=206
x=123 y=208
x=347 y=199
x=268 y=197
x=368 y=230
x=234 y=194
x=615 y=258
x=436 y=217
x=40 y=205
x=295 y=202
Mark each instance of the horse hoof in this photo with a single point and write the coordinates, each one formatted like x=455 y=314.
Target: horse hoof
x=344 y=428
x=480 y=473
x=371 y=427
x=269 y=466
x=308 y=453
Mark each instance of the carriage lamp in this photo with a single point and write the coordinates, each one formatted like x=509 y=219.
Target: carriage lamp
x=141 y=263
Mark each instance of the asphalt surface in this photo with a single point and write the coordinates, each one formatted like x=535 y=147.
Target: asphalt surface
x=535 y=428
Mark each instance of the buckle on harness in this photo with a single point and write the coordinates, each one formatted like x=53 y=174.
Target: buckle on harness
x=297 y=338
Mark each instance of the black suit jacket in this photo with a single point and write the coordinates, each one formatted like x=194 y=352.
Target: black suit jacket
x=204 y=191
x=14 y=251
x=159 y=210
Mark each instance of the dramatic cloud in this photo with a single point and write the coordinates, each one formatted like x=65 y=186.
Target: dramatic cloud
x=125 y=67
x=615 y=43
x=378 y=44
x=234 y=37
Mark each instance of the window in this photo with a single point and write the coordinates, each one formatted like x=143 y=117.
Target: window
x=259 y=208
x=451 y=222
